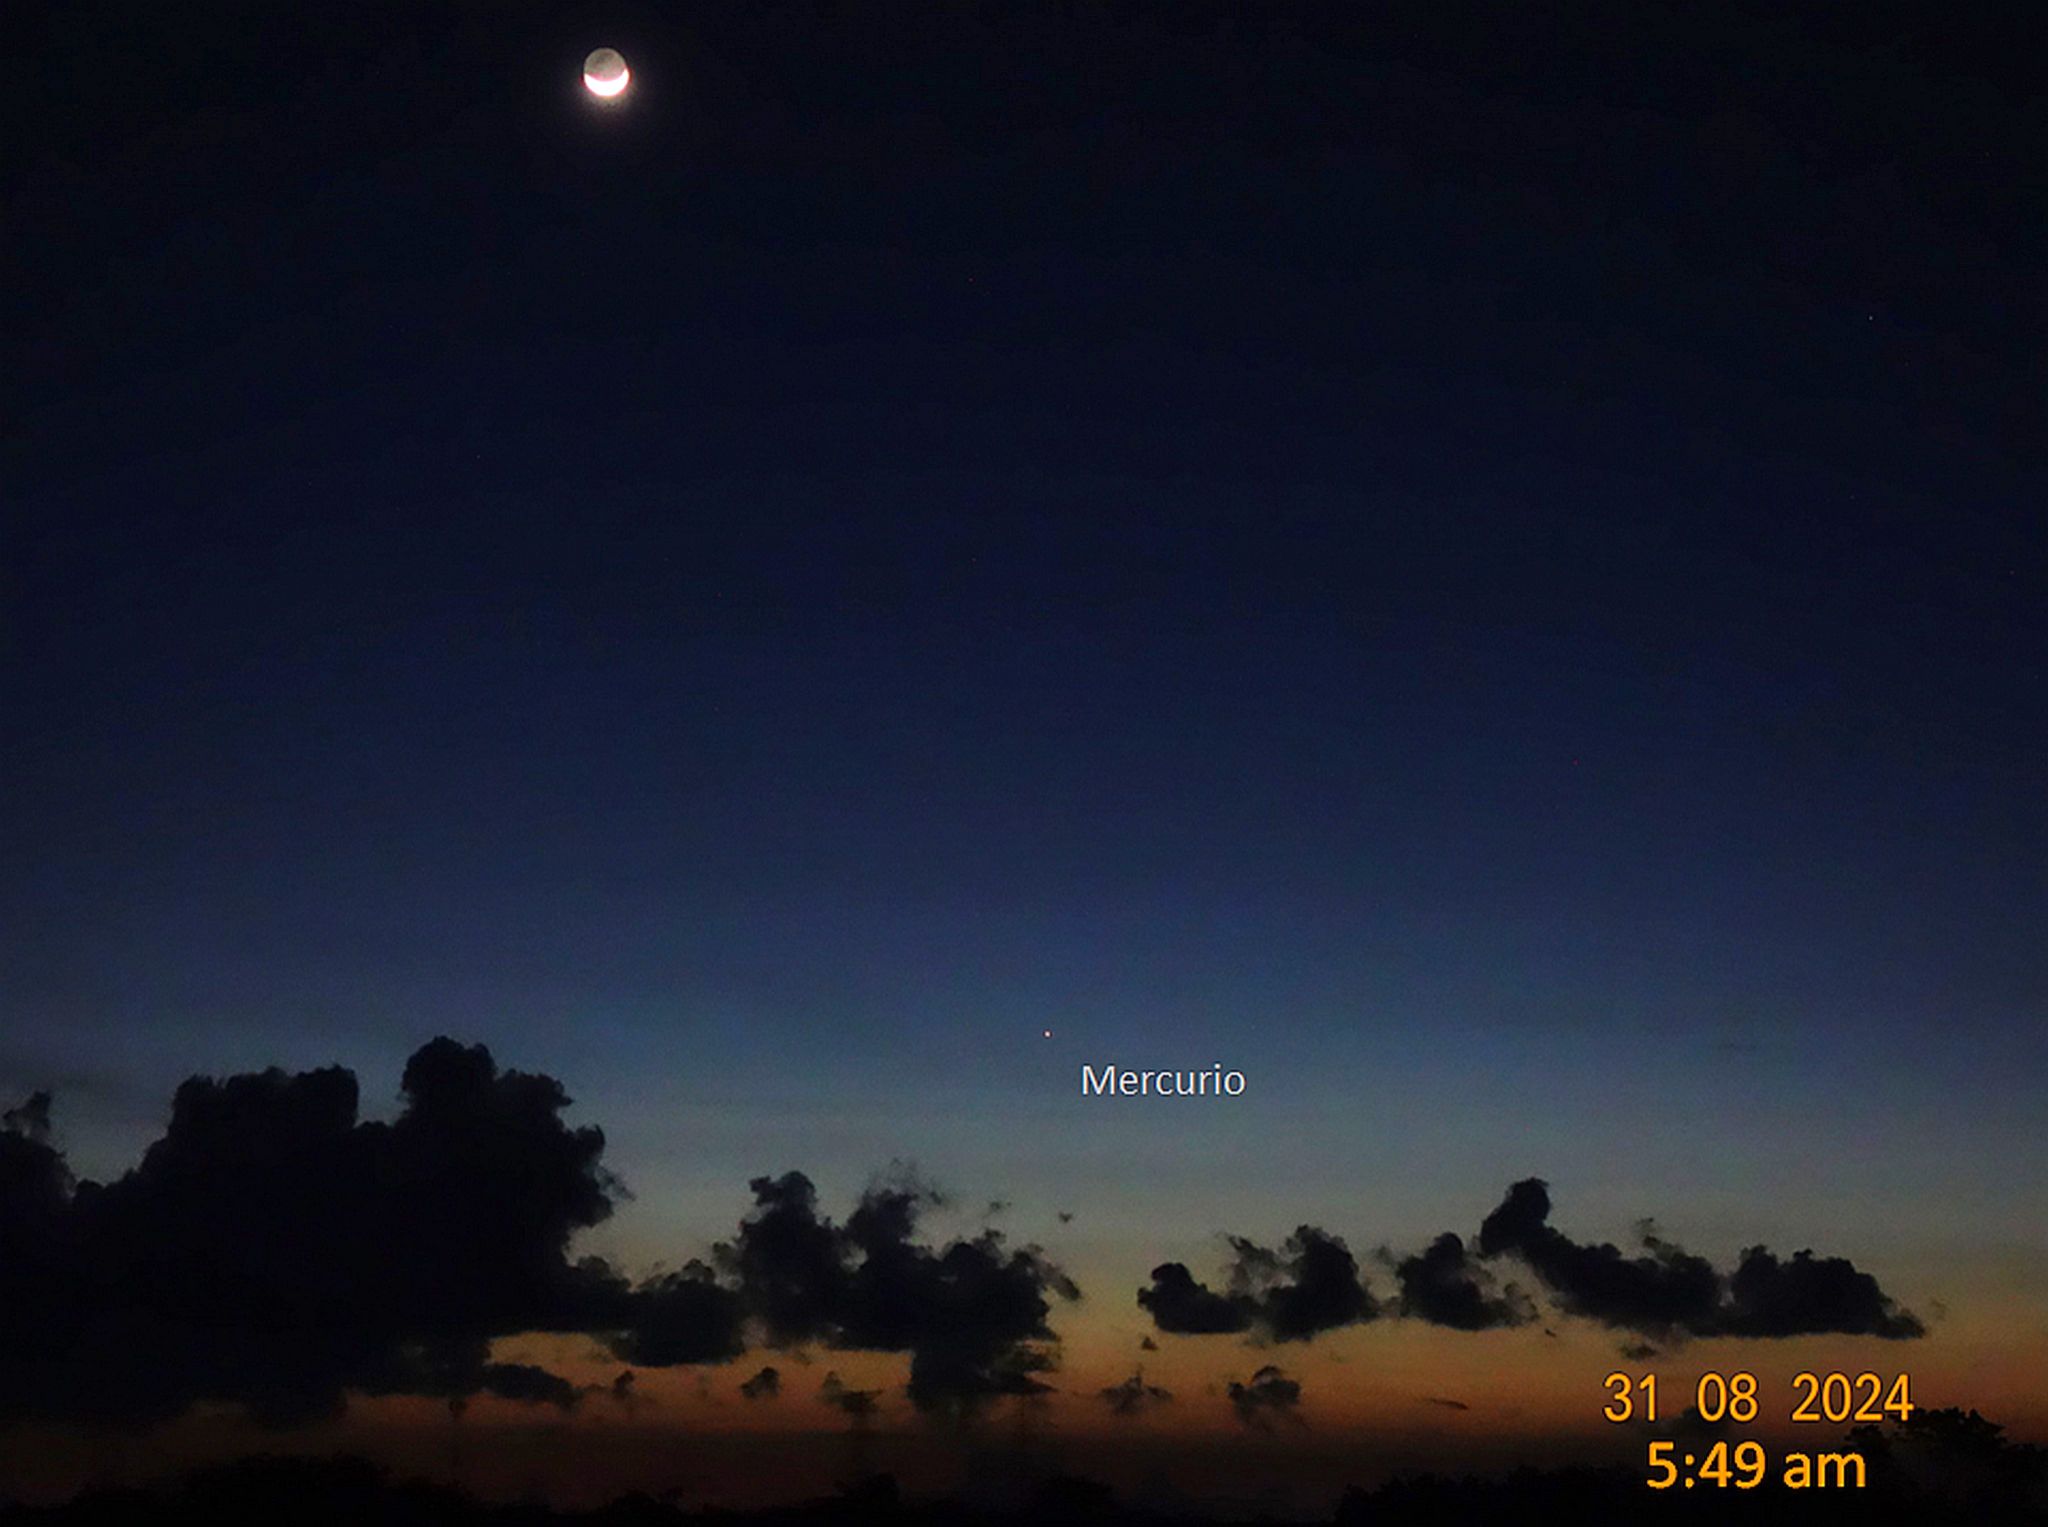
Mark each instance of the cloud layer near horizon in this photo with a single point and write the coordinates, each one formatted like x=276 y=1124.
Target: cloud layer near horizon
x=274 y=1251
x=1312 y=1285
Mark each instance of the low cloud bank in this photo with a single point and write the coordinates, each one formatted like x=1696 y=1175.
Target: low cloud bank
x=274 y=1251
x=1660 y=1291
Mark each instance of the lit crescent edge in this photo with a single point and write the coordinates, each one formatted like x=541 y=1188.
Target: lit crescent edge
x=608 y=88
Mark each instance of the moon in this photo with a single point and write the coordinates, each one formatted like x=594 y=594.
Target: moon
x=605 y=74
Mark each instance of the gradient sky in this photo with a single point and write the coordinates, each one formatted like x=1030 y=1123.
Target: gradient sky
x=1485 y=570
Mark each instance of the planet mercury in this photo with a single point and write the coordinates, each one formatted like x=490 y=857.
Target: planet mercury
x=605 y=74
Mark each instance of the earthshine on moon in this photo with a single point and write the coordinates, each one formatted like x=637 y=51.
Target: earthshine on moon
x=605 y=74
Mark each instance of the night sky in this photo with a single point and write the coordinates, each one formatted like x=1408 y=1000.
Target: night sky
x=1480 y=565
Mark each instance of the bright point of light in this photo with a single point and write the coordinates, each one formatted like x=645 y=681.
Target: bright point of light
x=605 y=74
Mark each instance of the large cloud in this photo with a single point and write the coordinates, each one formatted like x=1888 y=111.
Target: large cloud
x=274 y=1251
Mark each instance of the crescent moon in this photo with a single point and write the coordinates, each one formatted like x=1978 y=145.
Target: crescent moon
x=605 y=74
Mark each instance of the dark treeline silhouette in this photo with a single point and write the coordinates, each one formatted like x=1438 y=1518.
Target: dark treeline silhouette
x=1939 y=1465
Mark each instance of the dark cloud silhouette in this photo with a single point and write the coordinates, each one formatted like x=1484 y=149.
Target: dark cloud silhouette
x=681 y=1318
x=30 y=1121
x=1664 y=1289
x=1662 y=1292
x=1133 y=1397
x=1308 y=1286
x=1147 y=1344
x=788 y=1258
x=1768 y=1297
x=1182 y=1306
x=1266 y=1396
x=1446 y=1286
x=35 y=1198
x=624 y=1392
x=1447 y=1404
x=274 y=1251
x=971 y=1314
x=1690 y=1425
x=765 y=1385
x=858 y=1404
x=1668 y=1293
x=525 y=1381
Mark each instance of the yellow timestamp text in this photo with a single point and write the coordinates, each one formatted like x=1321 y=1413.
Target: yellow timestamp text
x=1830 y=1397
x=1745 y=1465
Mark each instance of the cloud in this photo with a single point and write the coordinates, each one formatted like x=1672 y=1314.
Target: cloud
x=765 y=1385
x=274 y=1251
x=1664 y=1289
x=1661 y=1292
x=1133 y=1397
x=456 y=1372
x=1308 y=1286
x=972 y=1314
x=1446 y=1286
x=789 y=1260
x=35 y=1197
x=525 y=1381
x=1668 y=1293
x=1184 y=1307
x=681 y=1318
x=1767 y=1297
x=624 y=1392
x=30 y=1121
x=859 y=1404
x=1447 y=1404
x=1268 y=1395
x=1690 y=1425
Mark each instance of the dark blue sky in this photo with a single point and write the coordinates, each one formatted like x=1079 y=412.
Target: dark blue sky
x=1506 y=547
